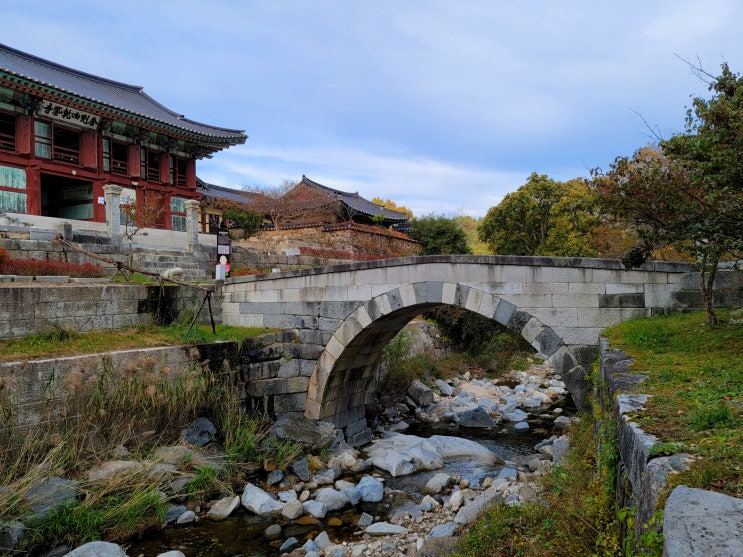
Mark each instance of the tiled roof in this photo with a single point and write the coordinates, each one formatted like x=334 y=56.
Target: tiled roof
x=128 y=98
x=220 y=192
x=358 y=203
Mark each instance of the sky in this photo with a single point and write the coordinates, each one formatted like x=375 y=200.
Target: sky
x=442 y=106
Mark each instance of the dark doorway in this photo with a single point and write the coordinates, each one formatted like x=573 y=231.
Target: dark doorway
x=66 y=198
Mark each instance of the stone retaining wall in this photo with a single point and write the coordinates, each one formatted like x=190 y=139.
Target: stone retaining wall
x=27 y=308
x=688 y=528
x=35 y=392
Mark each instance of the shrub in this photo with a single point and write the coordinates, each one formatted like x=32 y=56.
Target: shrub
x=46 y=267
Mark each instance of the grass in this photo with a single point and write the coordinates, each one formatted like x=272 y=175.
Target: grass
x=62 y=342
x=574 y=515
x=695 y=377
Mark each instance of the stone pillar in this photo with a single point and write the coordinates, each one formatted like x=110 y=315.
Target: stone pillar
x=112 y=194
x=192 y=223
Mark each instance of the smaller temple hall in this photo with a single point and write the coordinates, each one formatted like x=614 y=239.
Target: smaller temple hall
x=65 y=134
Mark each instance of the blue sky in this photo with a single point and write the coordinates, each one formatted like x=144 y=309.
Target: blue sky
x=443 y=106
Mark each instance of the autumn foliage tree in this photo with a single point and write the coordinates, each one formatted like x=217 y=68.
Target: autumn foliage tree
x=290 y=202
x=689 y=191
x=544 y=217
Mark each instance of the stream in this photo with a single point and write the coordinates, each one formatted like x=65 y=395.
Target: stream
x=242 y=534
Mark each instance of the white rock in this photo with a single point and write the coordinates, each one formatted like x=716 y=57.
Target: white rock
x=259 y=502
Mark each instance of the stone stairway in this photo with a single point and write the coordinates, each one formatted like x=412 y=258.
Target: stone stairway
x=161 y=260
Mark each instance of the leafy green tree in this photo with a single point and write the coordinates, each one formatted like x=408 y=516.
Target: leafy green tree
x=689 y=192
x=438 y=235
x=543 y=217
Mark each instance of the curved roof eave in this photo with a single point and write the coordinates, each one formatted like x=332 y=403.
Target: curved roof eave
x=128 y=99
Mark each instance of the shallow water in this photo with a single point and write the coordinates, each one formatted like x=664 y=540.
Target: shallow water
x=242 y=534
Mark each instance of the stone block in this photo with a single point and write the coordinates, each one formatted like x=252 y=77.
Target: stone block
x=547 y=342
x=449 y=293
x=531 y=330
x=504 y=312
x=461 y=295
x=634 y=288
x=622 y=301
x=278 y=386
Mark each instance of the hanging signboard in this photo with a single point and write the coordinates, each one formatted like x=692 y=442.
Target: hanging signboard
x=68 y=115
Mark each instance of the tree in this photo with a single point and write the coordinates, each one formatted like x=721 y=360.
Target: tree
x=144 y=211
x=291 y=202
x=239 y=215
x=388 y=204
x=438 y=235
x=543 y=217
x=689 y=191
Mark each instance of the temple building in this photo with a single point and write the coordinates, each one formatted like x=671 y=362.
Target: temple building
x=65 y=134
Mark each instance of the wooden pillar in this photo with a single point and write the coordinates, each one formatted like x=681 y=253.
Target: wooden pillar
x=191 y=174
x=24 y=137
x=33 y=190
x=165 y=168
x=133 y=161
x=89 y=150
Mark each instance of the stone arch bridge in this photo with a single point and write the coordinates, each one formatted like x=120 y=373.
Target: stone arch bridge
x=344 y=315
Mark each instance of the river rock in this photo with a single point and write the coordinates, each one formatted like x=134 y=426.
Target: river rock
x=186 y=518
x=292 y=510
x=272 y=532
x=289 y=545
x=173 y=512
x=333 y=500
x=322 y=541
x=50 y=493
x=259 y=502
x=370 y=489
x=11 y=533
x=436 y=483
x=98 y=549
x=444 y=387
x=326 y=476
x=445 y=530
x=113 y=468
x=302 y=469
x=365 y=520
x=471 y=511
x=224 y=508
x=199 y=432
x=476 y=418
x=178 y=454
x=318 y=509
x=420 y=393
x=385 y=529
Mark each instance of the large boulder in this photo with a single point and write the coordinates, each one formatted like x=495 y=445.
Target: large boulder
x=316 y=435
x=404 y=454
x=476 y=418
x=420 y=393
x=98 y=549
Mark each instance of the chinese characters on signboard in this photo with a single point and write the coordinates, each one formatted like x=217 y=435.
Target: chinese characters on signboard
x=68 y=115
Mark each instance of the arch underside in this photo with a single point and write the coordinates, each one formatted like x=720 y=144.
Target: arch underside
x=343 y=378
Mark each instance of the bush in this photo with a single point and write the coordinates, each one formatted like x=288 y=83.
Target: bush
x=46 y=267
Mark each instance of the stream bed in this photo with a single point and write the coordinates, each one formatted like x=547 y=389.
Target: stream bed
x=242 y=534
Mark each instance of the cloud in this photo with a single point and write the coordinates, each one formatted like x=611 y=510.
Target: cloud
x=420 y=183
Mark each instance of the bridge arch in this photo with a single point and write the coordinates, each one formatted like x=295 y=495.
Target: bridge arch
x=341 y=380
